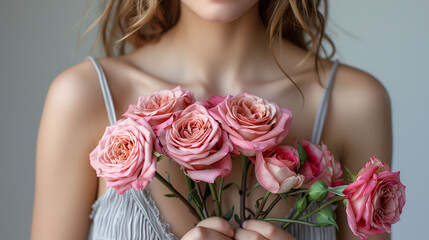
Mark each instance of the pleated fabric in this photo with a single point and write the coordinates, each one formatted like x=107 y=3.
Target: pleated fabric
x=132 y=215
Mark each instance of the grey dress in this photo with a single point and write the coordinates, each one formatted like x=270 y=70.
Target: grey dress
x=134 y=215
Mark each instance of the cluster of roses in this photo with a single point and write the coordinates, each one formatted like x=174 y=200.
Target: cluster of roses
x=202 y=136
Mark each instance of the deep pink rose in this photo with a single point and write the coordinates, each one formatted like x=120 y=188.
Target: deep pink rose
x=253 y=124
x=212 y=101
x=159 y=107
x=196 y=141
x=320 y=165
x=375 y=200
x=276 y=169
x=124 y=155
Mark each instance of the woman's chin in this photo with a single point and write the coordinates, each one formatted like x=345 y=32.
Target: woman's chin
x=222 y=11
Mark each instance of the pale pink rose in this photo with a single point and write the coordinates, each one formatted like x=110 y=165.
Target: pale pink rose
x=375 y=200
x=276 y=169
x=124 y=155
x=320 y=165
x=196 y=141
x=159 y=108
x=253 y=124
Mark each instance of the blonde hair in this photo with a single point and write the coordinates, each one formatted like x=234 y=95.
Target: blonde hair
x=138 y=22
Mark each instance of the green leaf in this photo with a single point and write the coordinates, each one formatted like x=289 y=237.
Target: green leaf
x=345 y=201
x=227 y=186
x=170 y=195
x=302 y=155
x=193 y=196
x=237 y=219
x=352 y=177
x=237 y=186
x=284 y=196
x=256 y=185
x=258 y=201
x=213 y=214
x=160 y=157
x=338 y=190
x=229 y=214
x=326 y=217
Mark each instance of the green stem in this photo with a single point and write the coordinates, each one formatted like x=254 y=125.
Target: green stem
x=290 y=221
x=220 y=194
x=278 y=198
x=296 y=216
x=181 y=198
x=297 y=192
x=262 y=205
x=243 y=190
x=214 y=196
x=190 y=188
x=197 y=186
x=332 y=200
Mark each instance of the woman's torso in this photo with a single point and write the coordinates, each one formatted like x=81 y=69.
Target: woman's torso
x=129 y=78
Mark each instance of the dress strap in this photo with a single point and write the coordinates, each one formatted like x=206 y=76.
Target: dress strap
x=105 y=89
x=321 y=112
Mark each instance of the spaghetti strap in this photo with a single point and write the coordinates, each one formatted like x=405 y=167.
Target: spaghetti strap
x=105 y=89
x=321 y=112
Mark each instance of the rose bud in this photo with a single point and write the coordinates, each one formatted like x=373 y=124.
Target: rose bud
x=318 y=191
x=276 y=169
x=301 y=204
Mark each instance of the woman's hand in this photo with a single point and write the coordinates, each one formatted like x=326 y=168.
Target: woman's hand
x=261 y=230
x=211 y=228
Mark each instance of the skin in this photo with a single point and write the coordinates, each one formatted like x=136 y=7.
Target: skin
x=209 y=55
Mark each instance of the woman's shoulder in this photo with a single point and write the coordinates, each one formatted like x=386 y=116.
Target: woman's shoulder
x=360 y=110
x=354 y=89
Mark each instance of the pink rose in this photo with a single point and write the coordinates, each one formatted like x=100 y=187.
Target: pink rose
x=124 y=155
x=276 y=169
x=253 y=124
x=334 y=176
x=196 y=141
x=375 y=200
x=320 y=165
x=158 y=108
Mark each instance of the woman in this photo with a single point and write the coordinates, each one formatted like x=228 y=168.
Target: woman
x=210 y=47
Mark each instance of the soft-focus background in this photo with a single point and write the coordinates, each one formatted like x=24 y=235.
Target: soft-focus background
x=387 y=38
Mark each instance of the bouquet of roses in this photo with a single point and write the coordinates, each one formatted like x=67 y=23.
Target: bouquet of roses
x=204 y=137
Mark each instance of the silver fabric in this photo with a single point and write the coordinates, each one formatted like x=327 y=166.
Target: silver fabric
x=134 y=215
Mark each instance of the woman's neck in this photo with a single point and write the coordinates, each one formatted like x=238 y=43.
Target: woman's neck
x=220 y=51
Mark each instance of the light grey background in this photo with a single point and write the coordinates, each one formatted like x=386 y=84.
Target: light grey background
x=387 y=38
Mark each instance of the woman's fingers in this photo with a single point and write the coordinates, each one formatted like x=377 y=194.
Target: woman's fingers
x=218 y=224
x=198 y=233
x=211 y=228
x=266 y=230
x=243 y=234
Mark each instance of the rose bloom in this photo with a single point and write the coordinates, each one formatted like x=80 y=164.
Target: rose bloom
x=375 y=200
x=196 y=141
x=159 y=107
x=124 y=155
x=253 y=124
x=276 y=169
x=320 y=165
